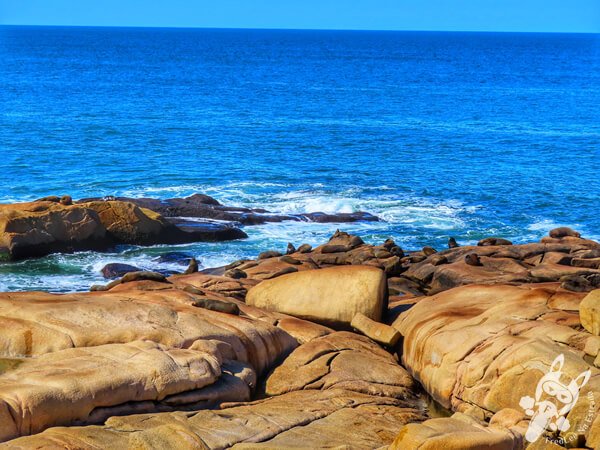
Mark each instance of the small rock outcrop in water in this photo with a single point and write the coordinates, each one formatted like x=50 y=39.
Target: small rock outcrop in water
x=43 y=227
x=116 y=270
x=187 y=361
x=205 y=207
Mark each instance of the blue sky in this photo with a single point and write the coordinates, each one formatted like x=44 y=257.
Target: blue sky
x=471 y=15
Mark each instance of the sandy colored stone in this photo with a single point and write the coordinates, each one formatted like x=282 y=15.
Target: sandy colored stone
x=589 y=312
x=39 y=228
x=379 y=332
x=486 y=347
x=332 y=296
x=452 y=434
x=310 y=418
x=341 y=360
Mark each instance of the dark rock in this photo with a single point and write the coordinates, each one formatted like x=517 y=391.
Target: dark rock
x=339 y=217
x=561 y=232
x=290 y=249
x=269 y=254
x=192 y=268
x=193 y=231
x=452 y=243
x=180 y=258
x=116 y=270
x=205 y=207
x=575 y=283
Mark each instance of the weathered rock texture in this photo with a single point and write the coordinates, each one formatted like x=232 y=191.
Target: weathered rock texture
x=84 y=357
x=42 y=227
x=358 y=396
x=480 y=349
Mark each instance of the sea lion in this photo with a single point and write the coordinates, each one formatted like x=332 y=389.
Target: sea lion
x=192 y=268
x=472 y=259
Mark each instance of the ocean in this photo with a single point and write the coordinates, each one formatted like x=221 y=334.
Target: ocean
x=439 y=134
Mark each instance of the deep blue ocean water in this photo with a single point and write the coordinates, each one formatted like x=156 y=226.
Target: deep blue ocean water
x=440 y=134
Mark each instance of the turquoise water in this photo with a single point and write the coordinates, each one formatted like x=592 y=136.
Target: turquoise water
x=439 y=134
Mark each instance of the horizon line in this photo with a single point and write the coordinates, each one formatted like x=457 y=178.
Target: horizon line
x=299 y=29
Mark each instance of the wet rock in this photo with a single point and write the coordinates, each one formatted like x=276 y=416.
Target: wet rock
x=116 y=270
x=180 y=258
x=331 y=296
x=205 y=207
x=290 y=249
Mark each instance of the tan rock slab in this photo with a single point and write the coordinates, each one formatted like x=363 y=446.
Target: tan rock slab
x=331 y=296
x=379 y=332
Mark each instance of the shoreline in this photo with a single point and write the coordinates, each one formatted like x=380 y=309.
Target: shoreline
x=278 y=320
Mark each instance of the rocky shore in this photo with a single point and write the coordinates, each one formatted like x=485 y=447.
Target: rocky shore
x=345 y=345
x=59 y=225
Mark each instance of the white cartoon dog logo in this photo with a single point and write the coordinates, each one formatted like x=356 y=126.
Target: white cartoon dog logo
x=553 y=400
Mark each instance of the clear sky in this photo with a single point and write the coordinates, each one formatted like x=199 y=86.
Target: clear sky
x=464 y=15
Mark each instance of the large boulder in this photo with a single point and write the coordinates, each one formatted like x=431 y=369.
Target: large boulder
x=128 y=223
x=589 y=312
x=480 y=349
x=331 y=296
x=81 y=358
x=39 y=228
x=48 y=226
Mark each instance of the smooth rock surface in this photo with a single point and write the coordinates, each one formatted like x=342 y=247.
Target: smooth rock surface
x=331 y=296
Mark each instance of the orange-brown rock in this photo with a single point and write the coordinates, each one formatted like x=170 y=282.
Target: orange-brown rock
x=483 y=348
